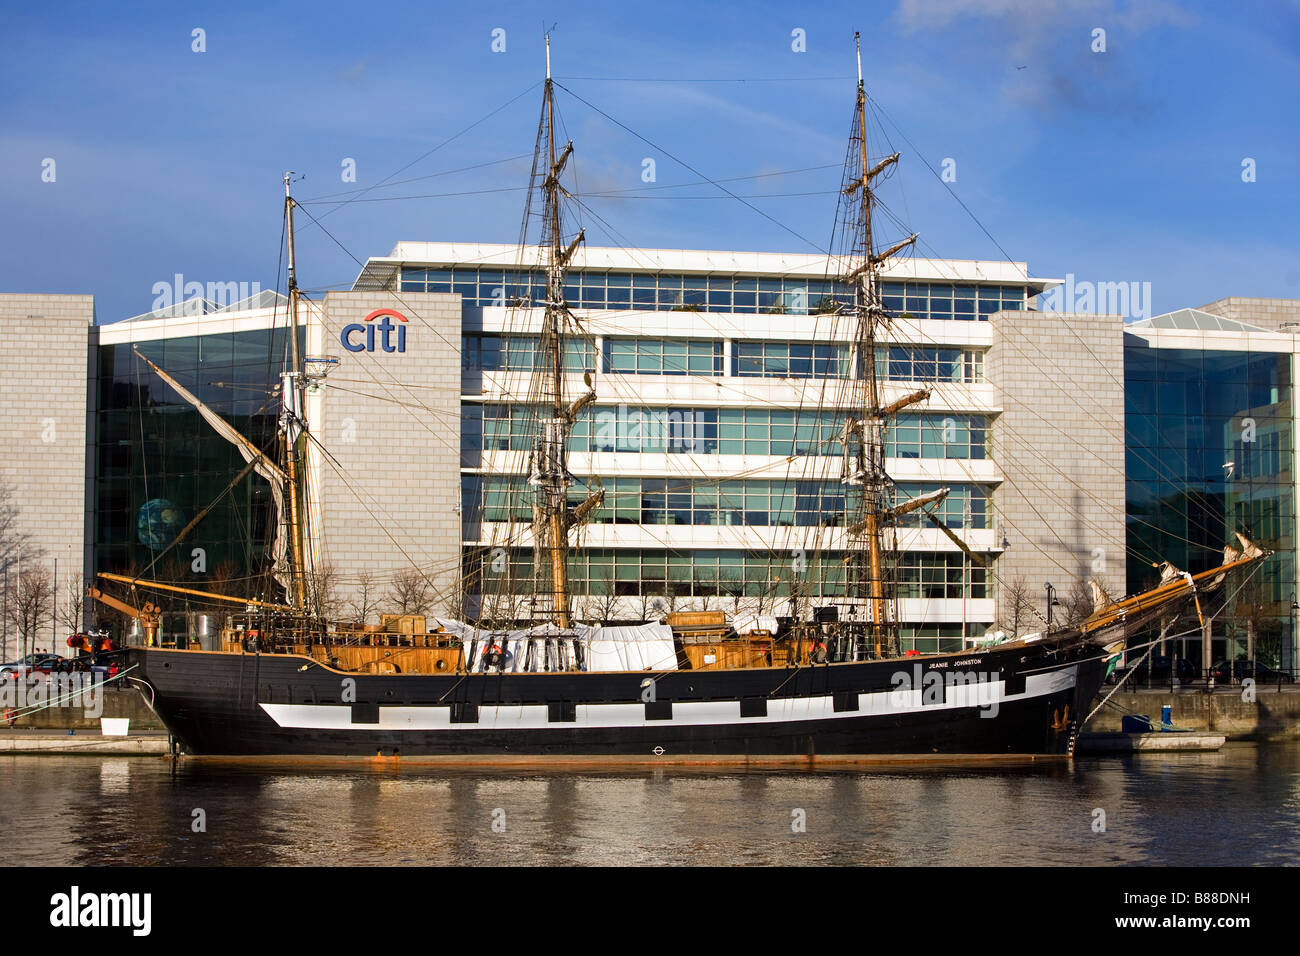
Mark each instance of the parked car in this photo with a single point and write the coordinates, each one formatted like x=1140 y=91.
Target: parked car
x=35 y=664
x=102 y=666
x=1262 y=673
x=1161 y=670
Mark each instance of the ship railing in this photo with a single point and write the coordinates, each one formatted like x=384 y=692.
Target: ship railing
x=303 y=644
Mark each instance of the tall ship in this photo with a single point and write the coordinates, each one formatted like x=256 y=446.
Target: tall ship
x=525 y=679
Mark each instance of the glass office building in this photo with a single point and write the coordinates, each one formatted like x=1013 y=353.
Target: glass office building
x=1209 y=423
x=158 y=465
x=710 y=487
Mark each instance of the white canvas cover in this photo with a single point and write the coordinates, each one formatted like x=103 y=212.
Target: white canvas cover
x=636 y=648
x=632 y=648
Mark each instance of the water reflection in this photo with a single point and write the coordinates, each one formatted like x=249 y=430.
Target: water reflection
x=1239 y=806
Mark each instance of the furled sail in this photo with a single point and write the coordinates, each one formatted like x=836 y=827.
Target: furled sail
x=252 y=455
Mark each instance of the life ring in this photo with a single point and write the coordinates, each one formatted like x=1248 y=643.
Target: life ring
x=11 y=716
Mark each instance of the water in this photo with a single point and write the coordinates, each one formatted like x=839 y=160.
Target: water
x=1240 y=806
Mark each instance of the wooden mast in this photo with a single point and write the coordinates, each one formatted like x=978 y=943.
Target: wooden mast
x=293 y=396
x=549 y=472
x=864 y=439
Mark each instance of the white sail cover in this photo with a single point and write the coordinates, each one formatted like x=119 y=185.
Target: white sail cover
x=637 y=647
x=640 y=647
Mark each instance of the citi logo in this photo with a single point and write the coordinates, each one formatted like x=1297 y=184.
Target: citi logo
x=73 y=909
x=369 y=326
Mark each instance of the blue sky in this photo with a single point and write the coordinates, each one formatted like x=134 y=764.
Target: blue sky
x=1117 y=166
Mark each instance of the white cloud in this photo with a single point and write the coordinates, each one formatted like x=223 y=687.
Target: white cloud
x=1031 y=26
x=1045 y=47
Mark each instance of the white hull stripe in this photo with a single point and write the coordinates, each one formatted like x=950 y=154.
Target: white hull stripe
x=685 y=713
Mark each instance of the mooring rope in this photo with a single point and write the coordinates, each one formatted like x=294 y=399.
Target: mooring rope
x=25 y=711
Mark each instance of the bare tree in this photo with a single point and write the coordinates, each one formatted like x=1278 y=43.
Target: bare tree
x=175 y=568
x=652 y=606
x=1016 y=607
x=606 y=606
x=454 y=604
x=1078 y=603
x=15 y=545
x=225 y=579
x=365 y=599
x=410 y=592
x=69 y=613
x=29 y=602
x=598 y=608
x=15 y=549
x=766 y=595
x=730 y=586
x=324 y=584
x=643 y=605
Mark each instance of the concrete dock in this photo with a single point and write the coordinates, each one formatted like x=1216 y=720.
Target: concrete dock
x=83 y=742
x=1156 y=742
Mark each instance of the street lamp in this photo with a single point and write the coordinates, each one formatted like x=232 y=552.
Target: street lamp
x=4 y=616
x=1294 y=645
x=1051 y=603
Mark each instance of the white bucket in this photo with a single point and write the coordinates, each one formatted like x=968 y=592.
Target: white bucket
x=114 y=726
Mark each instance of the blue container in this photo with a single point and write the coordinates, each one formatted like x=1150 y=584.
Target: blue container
x=1166 y=717
x=1135 y=724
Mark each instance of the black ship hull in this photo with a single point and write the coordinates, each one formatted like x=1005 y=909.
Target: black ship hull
x=1023 y=699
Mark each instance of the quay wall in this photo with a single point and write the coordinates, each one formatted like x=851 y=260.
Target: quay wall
x=127 y=702
x=1273 y=714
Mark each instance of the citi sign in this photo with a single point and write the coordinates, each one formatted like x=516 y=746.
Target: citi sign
x=361 y=336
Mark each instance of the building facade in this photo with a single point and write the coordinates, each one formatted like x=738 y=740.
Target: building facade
x=1210 y=420
x=45 y=515
x=722 y=381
